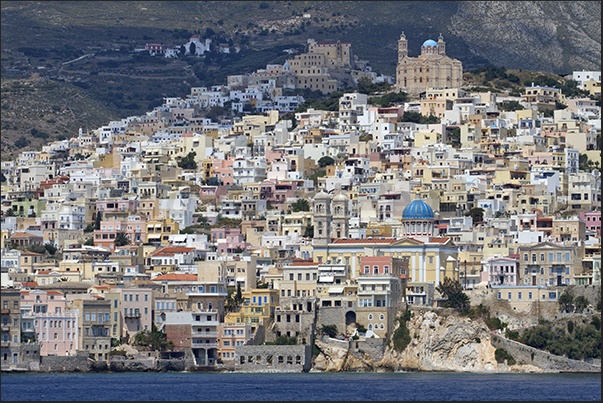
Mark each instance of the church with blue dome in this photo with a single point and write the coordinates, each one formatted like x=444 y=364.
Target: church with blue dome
x=433 y=69
x=418 y=221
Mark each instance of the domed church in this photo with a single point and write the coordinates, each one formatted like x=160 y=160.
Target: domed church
x=432 y=69
x=417 y=221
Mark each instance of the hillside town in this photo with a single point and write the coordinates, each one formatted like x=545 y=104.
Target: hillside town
x=223 y=236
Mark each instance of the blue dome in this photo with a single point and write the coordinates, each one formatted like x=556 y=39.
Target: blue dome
x=418 y=209
x=430 y=42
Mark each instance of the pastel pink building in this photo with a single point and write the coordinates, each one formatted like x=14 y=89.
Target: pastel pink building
x=213 y=191
x=135 y=227
x=592 y=219
x=222 y=169
x=283 y=191
x=55 y=329
x=274 y=155
x=227 y=240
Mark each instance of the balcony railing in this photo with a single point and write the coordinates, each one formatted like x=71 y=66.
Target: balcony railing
x=132 y=315
x=204 y=334
x=197 y=344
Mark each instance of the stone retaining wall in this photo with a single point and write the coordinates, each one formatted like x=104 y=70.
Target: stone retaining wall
x=273 y=358
x=73 y=363
x=546 y=361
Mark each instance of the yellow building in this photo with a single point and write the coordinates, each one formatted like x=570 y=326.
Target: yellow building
x=159 y=231
x=594 y=87
x=5 y=239
x=423 y=138
x=544 y=98
x=337 y=54
x=257 y=309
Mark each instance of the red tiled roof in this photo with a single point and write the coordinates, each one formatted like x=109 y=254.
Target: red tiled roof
x=29 y=284
x=176 y=277
x=172 y=250
x=31 y=254
x=303 y=264
x=24 y=234
x=360 y=241
x=439 y=240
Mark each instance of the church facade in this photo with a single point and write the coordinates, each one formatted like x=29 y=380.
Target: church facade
x=432 y=69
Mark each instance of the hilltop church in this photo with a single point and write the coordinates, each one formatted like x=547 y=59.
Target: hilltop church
x=432 y=69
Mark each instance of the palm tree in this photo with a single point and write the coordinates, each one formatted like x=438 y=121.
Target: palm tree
x=121 y=239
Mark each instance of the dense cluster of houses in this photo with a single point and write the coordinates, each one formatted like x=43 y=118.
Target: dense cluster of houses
x=156 y=221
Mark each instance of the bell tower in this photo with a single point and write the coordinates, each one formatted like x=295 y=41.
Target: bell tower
x=321 y=207
x=402 y=47
x=341 y=216
x=441 y=45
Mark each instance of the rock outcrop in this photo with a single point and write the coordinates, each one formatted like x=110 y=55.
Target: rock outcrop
x=440 y=341
x=444 y=343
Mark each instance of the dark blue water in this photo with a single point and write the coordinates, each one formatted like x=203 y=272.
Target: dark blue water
x=297 y=387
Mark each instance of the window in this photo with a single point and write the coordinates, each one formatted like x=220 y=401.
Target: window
x=567 y=256
x=509 y=295
x=519 y=295
x=530 y=295
x=550 y=257
x=542 y=257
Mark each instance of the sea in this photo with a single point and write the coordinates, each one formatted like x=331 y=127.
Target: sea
x=236 y=386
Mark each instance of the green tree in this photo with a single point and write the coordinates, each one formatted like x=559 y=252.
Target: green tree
x=50 y=248
x=565 y=301
x=285 y=340
x=309 y=231
x=324 y=161
x=329 y=330
x=192 y=48
x=21 y=142
x=401 y=336
x=89 y=228
x=581 y=302
x=477 y=213
x=188 y=162
x=122 y=239
x=89 y=242
x=215 y=112
x=453 y=291
x=97 y=220
x=300 y=205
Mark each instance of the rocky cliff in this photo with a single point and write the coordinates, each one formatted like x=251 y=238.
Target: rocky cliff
x=439 y=342
x=552 y=36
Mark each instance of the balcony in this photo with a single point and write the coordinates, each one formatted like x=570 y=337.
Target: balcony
x=204 y=334
x=5 y=327
x=132 y=315
x=200 y=344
